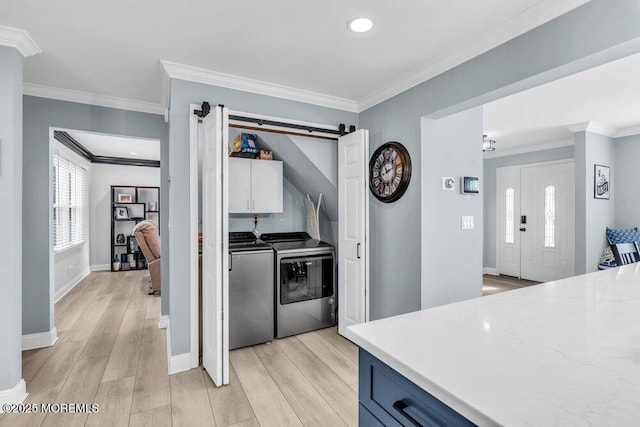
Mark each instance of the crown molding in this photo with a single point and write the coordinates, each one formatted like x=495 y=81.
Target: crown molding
x=528 y=148
x=629 y=131
x=92 y=99
x=20 y=40
x=542 y=13
x=594 y=127
x=215 y=78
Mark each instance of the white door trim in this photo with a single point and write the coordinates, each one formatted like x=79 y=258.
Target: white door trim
x=193 y=233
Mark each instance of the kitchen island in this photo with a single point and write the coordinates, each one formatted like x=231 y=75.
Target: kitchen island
x=560 y=353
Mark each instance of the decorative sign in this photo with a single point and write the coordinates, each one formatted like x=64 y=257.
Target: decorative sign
x=601 y=182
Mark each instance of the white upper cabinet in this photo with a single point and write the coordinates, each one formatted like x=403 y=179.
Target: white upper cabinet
x=255 y=186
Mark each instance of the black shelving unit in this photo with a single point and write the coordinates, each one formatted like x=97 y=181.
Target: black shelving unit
x=141 y=203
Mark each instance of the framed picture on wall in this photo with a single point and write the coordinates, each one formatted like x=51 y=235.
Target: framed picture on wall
x=601 y=182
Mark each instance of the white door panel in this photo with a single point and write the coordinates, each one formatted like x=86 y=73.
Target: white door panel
x=215 y=247
x=353 y=229
x=548 y=244
x=507 y=233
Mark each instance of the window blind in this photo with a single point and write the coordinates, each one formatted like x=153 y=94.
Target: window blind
x=69 y=203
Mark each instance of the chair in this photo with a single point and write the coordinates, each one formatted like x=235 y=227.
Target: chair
x=626 y=253
x=148 y=239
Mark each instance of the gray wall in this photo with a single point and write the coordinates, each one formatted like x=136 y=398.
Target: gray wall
x=11 y=216
x=590 y=35
x=40 y=115
x=489 y=189
x=445 y=246
x=592 y=215
x=627 y=197
x=185 y=93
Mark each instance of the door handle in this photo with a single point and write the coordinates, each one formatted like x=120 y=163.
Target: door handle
x=247 y=204
x=358 y=250
x=523 y=229
x=523 y=219
x=400 y=406
x=254 y=205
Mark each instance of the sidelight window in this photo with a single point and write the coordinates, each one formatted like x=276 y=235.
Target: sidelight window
x=549 y=216
x=509 y=207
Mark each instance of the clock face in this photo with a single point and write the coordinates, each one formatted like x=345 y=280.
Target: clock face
x=389 y=172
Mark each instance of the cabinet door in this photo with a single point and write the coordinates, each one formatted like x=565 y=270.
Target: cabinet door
x=239 y=185
x=266 y=183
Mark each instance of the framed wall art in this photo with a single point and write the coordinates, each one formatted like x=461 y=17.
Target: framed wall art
x=601 y=182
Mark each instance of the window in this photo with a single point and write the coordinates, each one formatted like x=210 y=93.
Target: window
x=549 y=216
x=509 y=214
x=69 y=200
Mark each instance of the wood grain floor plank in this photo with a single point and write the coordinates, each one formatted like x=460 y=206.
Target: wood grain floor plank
x=189 y=400
x=114 y=400
x=342 y=398
x=33 y=360
x=159 y=417
x=81 y=388
x=104 y=335
x=268 y=403
x=337 y=362
x=152 y=386
x=251 y=422
x=46 y=385
x=229 y=403
x=342 y=344
x=123 y=361
x=68 y=317
x=153 y=307
x=72 y=296
x=87 y=322
x=305 y=400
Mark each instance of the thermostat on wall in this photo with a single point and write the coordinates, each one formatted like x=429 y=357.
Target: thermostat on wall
x=470 y=185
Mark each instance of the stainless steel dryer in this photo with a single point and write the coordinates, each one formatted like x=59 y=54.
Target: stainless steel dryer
x=305 y=283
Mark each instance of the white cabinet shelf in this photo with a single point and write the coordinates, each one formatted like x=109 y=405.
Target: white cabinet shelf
x=255 y=186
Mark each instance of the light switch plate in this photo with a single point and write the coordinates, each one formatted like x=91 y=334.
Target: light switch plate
x=448 y=183
x=467 y=222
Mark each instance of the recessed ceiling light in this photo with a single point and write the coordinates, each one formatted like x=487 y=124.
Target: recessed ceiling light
x=133 y=153
x=360 y=25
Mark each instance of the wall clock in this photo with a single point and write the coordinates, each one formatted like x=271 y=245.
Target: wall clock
x=389 y=172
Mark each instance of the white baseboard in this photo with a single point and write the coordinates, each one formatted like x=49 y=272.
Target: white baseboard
x=490 y=270
x=163 y=321
x=101 y=267
x=16 y=394
x=39 y=340
x=72 y=284
x=179 y=362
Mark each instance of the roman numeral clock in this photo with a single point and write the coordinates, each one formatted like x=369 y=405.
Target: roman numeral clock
x=389 y=172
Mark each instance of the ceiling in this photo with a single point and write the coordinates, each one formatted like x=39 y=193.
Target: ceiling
x=114 y=48
x=117 y=146
x=608 y=96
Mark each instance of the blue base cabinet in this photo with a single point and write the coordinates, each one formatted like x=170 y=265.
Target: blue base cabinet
x=389 y=399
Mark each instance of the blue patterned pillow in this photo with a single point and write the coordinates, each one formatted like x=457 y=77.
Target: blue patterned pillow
x=628 y=235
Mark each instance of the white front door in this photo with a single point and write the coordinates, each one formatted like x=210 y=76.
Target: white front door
x=548 y=206
x=215 y=247
x=535 y=211
x=353 y=229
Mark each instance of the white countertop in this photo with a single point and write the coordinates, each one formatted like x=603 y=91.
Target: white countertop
x=563 y=353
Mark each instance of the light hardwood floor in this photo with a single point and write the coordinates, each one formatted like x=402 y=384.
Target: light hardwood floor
x=496 y=284
x=111 y=352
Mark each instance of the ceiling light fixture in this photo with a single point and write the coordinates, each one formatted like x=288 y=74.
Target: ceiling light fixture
x=360 y=25
x=488 y=144
x=133 y=153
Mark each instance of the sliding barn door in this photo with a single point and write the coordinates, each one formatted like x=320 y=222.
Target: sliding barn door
x=215 y=246
x=353 y=229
